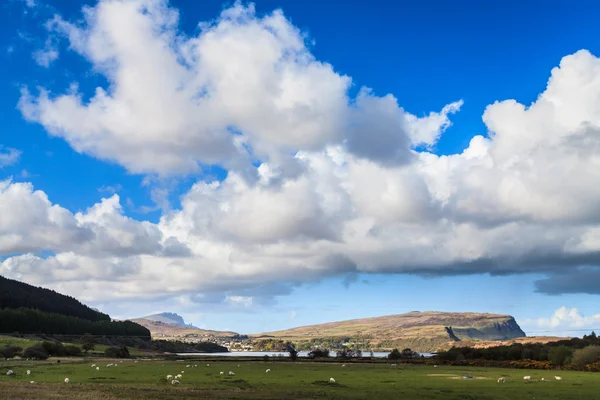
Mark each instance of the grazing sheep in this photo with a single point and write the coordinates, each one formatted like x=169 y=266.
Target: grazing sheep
x=28 y=372
x=238 y=365
x=527 y=378
x=93 y=365
x=501 y=380
x=178 y=376
x=182 y=372
x=10 y=372
x=231 y=373
x=331 y=380
x=31 y=382
x=221 y=373
x=393 y=365
x=542 y=379
x=116 y=365
x=558 y=378
x=174 y=382
x=343 y=365
x=109 y=365
x=268 y=370
x=435 y=366
x=169 y=377
x=208 y=365
x=67 y=380
x=97 y=368
x=187 y=366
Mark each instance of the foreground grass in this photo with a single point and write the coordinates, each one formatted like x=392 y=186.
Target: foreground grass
x=146 y=380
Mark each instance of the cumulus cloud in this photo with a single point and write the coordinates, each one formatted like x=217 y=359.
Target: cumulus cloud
x=342 y=185
x=8 y=156
x=567 y=321
x=244 y=88
x=31 y=223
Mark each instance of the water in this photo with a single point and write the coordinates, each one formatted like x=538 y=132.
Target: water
x=377 y=354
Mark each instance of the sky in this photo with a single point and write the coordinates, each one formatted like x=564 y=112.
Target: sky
x=258 y=166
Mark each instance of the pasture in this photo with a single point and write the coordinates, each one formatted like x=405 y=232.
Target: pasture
x=300 y=380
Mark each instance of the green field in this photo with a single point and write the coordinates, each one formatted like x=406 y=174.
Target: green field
x=301 y=380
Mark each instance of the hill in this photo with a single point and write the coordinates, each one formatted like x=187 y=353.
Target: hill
x=421 y=331
x=15 y=294
x=169 y=318
x=35 y=310
x=182 y=331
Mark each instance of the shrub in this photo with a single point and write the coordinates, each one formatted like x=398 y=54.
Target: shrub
x=319 y=353
x=37 y=351
x=10 y=351
x=72 y=351
x=54 y=348
x=117 y=352
x=587 y=355
x=560 y=355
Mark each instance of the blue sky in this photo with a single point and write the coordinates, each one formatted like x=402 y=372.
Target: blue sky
x=254 y=273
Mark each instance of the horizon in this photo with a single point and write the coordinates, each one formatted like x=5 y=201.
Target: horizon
x=257 y=166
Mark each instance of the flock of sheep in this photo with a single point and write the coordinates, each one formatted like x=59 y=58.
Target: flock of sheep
x=175 y=379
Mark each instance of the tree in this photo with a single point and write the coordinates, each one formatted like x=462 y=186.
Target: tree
x=87 y=343
x=560 y=355
x=117 y=352
x=395 y=355
x=36 y=352
x=587 y=355
x=292 y=351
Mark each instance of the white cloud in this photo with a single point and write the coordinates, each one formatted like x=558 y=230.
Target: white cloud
x=565 y=321
x=340 y=187
x=46 y=56
x=8 y=156
x=243 y=84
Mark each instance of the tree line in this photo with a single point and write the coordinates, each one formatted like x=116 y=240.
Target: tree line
x=32 y=321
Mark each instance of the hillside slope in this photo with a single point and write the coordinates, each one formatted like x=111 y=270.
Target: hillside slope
x=421 y=331
x=15 y=294
x=33 y=310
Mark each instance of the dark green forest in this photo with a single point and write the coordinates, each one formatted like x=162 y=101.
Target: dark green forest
x=15 y=294
x=28 y=309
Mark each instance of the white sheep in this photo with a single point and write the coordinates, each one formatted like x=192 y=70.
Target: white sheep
x=93 y=365
x=268 y=370
x=109 y=365
x=10 y=372
x=97 y=368
x=393 y=365
x=501 y=380
x=221 y=373
x=435 y=366
x=331 y=380
x=178 y=376
x=558 y=378
x=182 y=372
x=169 y=377
x=31 y=382
x=174 y=382
x=67 y=380
x=231 y=373
x=187 y=366
x=343 y=365
x=208 y=365
x=527 y=378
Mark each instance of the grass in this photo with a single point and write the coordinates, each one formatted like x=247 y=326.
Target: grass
x=147 y=380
